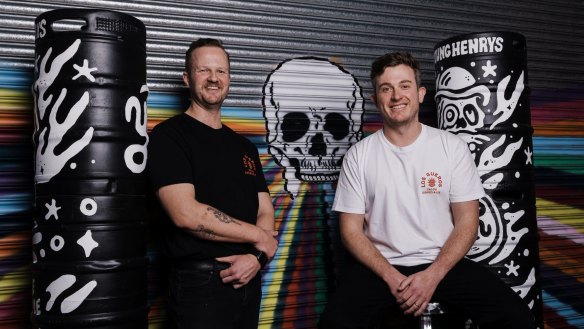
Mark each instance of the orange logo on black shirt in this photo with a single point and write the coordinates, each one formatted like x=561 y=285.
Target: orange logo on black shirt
x=249 y=167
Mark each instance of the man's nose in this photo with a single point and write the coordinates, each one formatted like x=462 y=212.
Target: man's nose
x=396 y=95
x=212 y=76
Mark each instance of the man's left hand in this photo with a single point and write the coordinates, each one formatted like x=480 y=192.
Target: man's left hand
x=416 y=290
x=243 y=268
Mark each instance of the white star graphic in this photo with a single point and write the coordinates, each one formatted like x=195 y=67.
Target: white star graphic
x=87 y=243
x=489 y=69
x=512 y=269
x=52 y=209
x=529 y=154
x=85 y=71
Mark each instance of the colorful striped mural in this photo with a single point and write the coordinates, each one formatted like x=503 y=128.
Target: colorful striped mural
x=558 y=119
x=305 y=223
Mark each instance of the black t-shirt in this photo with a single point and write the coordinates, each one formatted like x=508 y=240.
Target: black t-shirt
x=223 y=166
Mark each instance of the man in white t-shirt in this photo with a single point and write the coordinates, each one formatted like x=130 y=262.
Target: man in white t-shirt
x=409 y=212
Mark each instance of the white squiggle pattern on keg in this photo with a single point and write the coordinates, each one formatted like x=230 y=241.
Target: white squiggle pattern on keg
x=133 y=105
x=71 y=302
x=48 y=163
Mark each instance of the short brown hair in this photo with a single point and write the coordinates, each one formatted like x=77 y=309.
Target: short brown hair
x=202 y=42
x=394 y=59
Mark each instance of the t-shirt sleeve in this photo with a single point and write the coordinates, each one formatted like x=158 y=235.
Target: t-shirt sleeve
x=350 y=195
x=466 y=182
x=260 y=180
x=168 y=160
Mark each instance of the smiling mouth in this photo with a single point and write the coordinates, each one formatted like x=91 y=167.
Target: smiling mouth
x=397 y=107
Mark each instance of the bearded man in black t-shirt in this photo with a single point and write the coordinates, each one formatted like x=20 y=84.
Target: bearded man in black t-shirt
x=209 y=180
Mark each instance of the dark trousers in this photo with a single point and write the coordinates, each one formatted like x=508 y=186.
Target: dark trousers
x=362 y=298
x=199 y=300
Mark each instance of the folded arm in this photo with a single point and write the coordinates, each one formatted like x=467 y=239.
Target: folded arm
x=209 y=223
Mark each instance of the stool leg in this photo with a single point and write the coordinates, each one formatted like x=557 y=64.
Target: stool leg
x=425 y=321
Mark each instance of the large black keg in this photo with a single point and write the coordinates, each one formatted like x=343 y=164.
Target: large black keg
x=482 y=95
x=89 y=249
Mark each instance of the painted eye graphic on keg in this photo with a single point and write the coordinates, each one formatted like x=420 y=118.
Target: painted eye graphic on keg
x=50 y=134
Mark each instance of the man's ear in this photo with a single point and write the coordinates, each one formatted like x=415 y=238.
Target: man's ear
x=374 y=99
x=421 y=94
x=185 y=77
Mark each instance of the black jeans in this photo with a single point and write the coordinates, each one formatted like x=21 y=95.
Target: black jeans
x=362 y=297
x=199 y=300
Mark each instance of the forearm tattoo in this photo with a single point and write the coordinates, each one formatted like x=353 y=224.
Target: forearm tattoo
x=222 y=217
x=204 y=232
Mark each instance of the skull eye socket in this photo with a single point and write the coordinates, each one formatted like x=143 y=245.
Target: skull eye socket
x=294 y=126
x=470 y=114
x=449 y=116
x=337 y=125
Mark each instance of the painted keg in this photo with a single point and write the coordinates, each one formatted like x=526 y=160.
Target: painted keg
x=482 y=95
x=89 y=245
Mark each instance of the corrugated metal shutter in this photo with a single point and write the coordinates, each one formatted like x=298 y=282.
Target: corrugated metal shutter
x=260 y=35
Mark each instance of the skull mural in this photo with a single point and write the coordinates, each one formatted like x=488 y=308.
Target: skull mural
x=313 y=110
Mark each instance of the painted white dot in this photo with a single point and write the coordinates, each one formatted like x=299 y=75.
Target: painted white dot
x=88 y=207
x=526 y=252
x=472 y=147
x=491 y=81
x=515 y=125
x=517 y=174
x=73 y=165
x=57 y=243
x=42 y=253
x=505 y=205
x=473 y=64
x=92 y=161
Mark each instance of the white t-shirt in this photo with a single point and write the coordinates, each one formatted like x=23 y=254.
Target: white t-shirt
x=405 y=192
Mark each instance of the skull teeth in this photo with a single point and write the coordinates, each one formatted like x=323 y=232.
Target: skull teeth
x=319 y=177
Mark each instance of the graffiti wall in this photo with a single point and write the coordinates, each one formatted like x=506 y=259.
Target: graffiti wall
x=300 y=91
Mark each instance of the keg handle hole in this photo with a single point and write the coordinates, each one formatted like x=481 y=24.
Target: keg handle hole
x=69 y=25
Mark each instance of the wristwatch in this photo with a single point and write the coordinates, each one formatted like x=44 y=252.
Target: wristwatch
x=261 y=257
